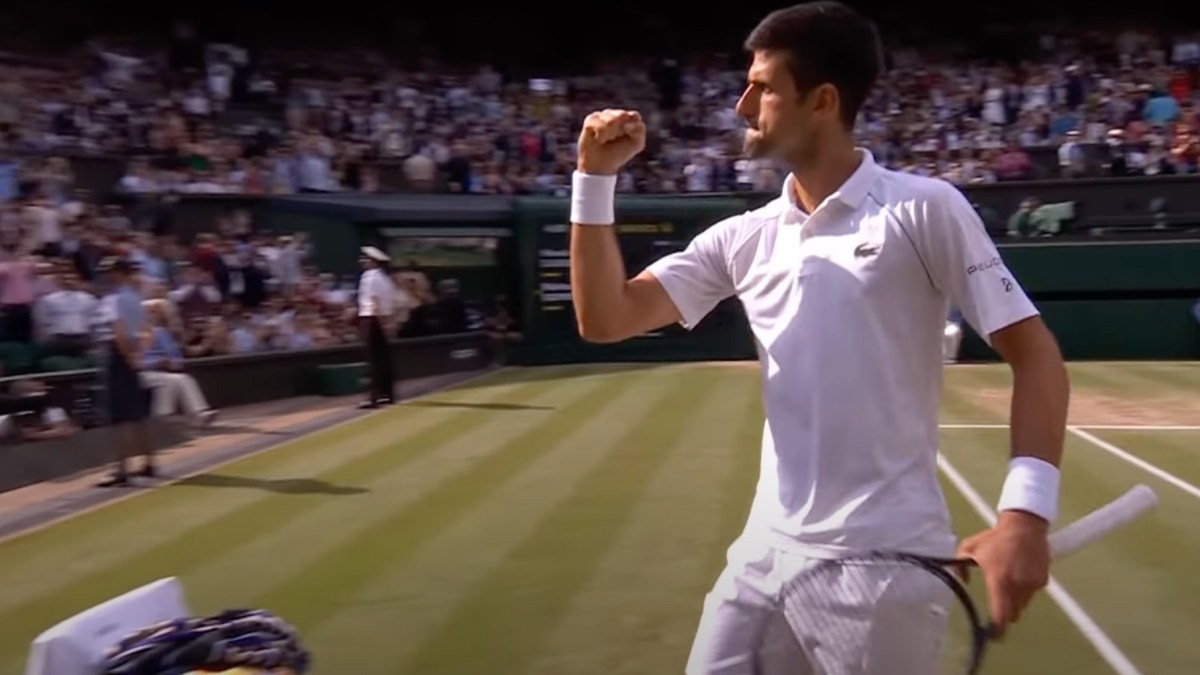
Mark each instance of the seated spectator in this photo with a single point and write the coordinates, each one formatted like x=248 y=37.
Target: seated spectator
x=1020 y=223
x=198 y=296
x=26 y=414
x=244 y=335
x=500 y=325
x=199 y=337
x=162 y=372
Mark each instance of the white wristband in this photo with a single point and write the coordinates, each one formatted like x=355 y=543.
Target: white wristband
x=592 y=199
x=1031 y=485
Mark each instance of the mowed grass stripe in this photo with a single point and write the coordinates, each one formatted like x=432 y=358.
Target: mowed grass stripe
x=1184 y=380
x=253 y=564
x=1045 y=642
x=738 y=492
x=311 y=594
x=1176 y=452
x=1124 y=383
x=505 y=622
x=391 y=617
x=638 y=612
x=179 y=551
x=960 y=405
x=181 y=507
x=1137 y=583
x=971 y=391
x=102 y=537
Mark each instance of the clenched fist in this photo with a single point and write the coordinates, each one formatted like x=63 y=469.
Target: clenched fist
x=609 y=139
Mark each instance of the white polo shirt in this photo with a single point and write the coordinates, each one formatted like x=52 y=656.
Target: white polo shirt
x=847 y=306
x=375 y=293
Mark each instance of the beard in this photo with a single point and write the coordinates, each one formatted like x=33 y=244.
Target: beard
x=755 y=144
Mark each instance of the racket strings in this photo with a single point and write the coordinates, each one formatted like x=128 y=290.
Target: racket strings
x=870 y=614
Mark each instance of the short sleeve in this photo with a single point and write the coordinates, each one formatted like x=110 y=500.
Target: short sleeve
x=124 y=311
x=698 y=278
x=965 y=264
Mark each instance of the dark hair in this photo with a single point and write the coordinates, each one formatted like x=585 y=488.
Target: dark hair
x=825 y=42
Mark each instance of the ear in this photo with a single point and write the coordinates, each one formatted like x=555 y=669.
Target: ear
x=825 y=101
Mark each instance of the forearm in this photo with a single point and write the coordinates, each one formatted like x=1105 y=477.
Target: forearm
x=1041 y=392
x=598 y=283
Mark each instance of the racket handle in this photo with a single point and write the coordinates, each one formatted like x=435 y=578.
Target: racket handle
x=1129 y=506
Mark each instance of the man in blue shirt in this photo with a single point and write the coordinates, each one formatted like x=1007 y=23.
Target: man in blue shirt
x=162 y=365
x=128 y=410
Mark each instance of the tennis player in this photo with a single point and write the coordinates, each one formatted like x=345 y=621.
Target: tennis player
x=846 y=279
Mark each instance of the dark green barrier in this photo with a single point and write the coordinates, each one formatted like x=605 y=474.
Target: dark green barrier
x=271 y=376
x=1110 y=300
x=1105 y=268
x=1149 y=283
x=1113 y=330
x=1104 y=299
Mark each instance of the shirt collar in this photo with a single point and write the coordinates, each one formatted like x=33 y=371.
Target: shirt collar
x=851 y=193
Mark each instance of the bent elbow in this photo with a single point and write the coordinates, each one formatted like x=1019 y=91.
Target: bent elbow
x=596 y=333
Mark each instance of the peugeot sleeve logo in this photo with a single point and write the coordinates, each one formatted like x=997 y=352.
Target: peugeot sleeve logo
x=865 y=250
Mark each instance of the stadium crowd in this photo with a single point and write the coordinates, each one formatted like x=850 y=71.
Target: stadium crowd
x=1120 y=104
x=282 y=122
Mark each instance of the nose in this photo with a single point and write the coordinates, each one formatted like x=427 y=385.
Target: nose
x=747 y=106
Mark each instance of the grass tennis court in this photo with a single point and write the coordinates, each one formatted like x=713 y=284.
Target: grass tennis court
x=568 y=520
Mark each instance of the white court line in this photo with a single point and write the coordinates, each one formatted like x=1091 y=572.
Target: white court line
x=1097 y=427
x=1137 y=461
x=1091 y=630
x=1138 y=427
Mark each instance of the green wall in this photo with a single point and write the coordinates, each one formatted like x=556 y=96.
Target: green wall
x=1103 y=299
x=1110 y=300
x=1099 y=267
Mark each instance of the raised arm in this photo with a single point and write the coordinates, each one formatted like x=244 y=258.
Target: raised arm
x=608 y=306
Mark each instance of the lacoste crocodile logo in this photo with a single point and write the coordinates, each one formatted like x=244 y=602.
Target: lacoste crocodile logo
x=865 y=250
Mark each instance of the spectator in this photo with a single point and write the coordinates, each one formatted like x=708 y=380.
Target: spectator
x=244 y=335
x=28 y=415
x=500 y=325
x=162 y=372
x=198 y=296
x=18 y=277
x=63 y=317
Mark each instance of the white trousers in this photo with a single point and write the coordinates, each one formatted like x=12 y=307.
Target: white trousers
x=174 y=392
x=880 y=621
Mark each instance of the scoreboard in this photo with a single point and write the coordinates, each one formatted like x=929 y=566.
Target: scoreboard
x=646 y=231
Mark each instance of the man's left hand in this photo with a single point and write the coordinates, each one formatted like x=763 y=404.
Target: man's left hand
x=1014 y=556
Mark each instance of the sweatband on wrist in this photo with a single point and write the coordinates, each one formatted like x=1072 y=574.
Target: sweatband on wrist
x=592 y=199
x=1031 y=485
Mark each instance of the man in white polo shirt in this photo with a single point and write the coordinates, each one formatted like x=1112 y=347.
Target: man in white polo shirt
x=376 y=300
x=846 y=279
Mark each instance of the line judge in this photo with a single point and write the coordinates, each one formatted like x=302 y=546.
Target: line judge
x=376 y=301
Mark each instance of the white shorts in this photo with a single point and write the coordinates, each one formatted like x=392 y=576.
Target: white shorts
x=893 y=628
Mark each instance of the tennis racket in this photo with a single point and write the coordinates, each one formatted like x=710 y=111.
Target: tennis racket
x=831 y=605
